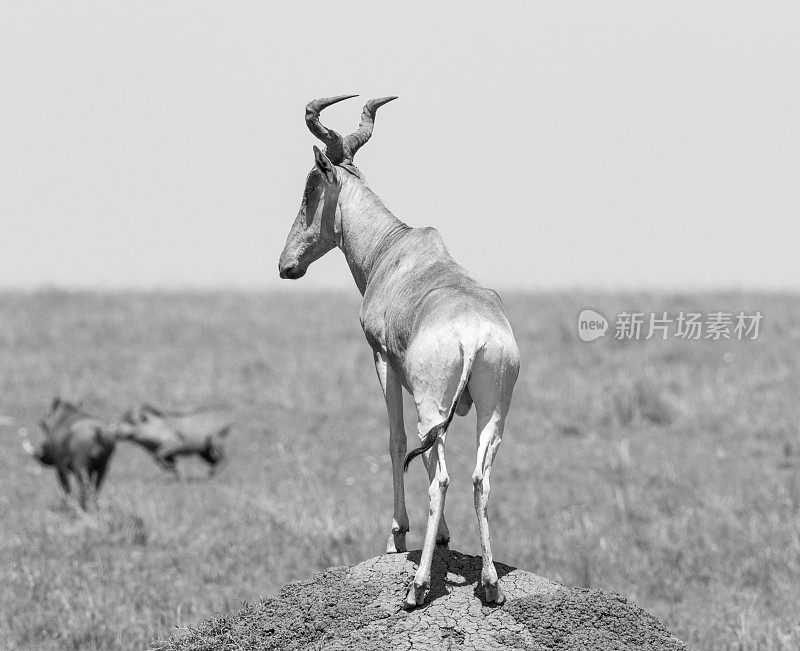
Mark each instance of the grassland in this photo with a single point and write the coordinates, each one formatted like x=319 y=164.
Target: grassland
x=666 y=471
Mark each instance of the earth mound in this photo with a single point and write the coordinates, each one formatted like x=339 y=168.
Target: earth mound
x=360 y=607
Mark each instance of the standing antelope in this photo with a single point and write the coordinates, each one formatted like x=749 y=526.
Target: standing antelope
x=433 y=329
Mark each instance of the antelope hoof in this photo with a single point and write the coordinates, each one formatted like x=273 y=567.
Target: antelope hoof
x=396 y=543
x=493 y=593
x=443 y=542
x=415 y=596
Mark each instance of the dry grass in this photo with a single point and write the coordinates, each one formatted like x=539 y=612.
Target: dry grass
x=666 y=471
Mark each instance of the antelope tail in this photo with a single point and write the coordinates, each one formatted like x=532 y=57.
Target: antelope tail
x=438 y=430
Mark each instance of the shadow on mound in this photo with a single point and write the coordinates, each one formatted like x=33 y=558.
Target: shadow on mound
x=360 y=607
x=443 y=579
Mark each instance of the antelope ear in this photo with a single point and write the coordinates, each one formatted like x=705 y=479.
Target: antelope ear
x=324 y=165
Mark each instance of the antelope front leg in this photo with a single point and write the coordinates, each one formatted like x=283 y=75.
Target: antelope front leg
x=393 y=392
x=437 y=492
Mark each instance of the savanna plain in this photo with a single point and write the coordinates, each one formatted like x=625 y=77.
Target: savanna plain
x=667 y=471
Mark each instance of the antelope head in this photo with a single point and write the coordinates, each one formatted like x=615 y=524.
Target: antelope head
x=318 y=223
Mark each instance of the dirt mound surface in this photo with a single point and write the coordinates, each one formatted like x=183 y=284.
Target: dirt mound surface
x=360 y=607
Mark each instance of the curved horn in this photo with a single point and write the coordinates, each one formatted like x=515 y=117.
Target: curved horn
x=334 y=144
x=357 y=139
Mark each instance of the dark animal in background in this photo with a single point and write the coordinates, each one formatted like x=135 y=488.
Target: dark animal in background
x=170 y=434
x=76 y=442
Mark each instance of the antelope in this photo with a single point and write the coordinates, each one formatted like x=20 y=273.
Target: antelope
x=432 y=328
x=170 y=434
x=78 y=443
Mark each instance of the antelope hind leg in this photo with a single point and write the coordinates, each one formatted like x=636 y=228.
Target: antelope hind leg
x=488 y=441
x=442 y=532
x=437 y=493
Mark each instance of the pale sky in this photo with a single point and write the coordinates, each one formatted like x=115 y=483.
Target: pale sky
x=553 y=144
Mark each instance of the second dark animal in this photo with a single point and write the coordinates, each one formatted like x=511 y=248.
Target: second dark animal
x=171 y=434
